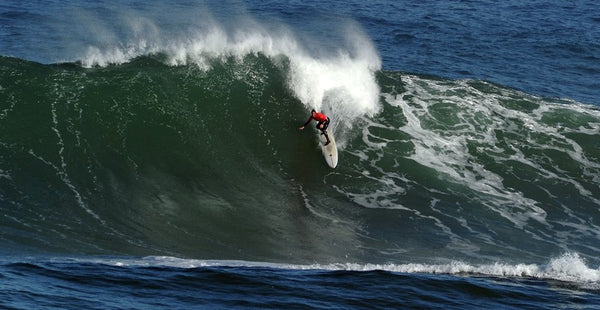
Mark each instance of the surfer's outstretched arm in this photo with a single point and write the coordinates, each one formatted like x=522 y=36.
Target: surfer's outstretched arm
x=308 y=121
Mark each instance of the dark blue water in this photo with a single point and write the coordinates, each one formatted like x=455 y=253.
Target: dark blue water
x=142 y=284
x=548 y=48
x=150 y=157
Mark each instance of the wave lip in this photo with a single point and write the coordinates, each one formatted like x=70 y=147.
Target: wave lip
x=338 y=79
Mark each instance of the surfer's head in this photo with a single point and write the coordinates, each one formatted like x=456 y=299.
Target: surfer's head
x=313 y=112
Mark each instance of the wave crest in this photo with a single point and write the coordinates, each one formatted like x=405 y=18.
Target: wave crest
x=338 y=78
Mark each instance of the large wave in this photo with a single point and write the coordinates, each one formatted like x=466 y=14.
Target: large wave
x=186 y=144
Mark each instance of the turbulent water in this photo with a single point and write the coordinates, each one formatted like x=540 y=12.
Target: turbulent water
x=176 y=139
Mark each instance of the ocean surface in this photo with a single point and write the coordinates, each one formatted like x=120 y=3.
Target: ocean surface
x=150 y=156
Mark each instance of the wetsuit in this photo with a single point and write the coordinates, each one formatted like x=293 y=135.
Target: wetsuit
x=321 y=119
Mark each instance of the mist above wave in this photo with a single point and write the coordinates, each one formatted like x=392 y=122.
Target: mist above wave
x=332 y=70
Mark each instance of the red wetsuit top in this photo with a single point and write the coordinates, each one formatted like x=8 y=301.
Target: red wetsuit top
x=319 y=117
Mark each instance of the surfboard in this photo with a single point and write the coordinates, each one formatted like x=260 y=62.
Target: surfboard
x=329 y=150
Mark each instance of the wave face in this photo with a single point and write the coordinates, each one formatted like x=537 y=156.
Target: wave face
x=186 y=143
x=149 y=157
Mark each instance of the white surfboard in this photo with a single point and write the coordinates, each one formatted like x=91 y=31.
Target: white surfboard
x=329 y=150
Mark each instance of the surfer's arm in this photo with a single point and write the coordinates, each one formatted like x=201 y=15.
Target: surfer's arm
x=308 y=121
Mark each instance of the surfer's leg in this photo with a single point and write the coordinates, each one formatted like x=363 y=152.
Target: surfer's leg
x=326 y=124
x=324 y=130
x=321 y=127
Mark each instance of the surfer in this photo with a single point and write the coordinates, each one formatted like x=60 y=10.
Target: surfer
x=322 y=123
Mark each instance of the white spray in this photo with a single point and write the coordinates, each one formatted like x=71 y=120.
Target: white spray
x=339 y=81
